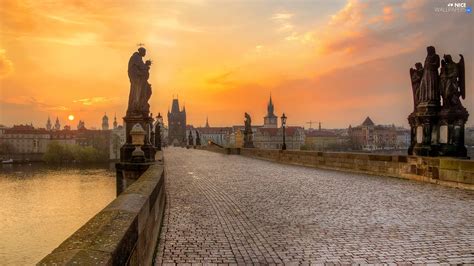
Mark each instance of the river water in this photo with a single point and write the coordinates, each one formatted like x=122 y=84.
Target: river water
x=41 y=206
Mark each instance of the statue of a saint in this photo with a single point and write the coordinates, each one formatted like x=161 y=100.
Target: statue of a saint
x=190 y=139
x=429 y=86
x=416 y=74
x=248 y=135
x=452 y=81
x=248 y=123
x=140 y=89
x=198 y=139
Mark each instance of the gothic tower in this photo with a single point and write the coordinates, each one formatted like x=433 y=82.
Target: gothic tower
x=105 y=122
x=176 y=124
x=115 y=121
x=49 y=126
x=57 y=126
x=271 y=120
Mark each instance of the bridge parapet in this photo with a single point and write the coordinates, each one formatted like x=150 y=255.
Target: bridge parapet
x=124 y=232
x=444 y=171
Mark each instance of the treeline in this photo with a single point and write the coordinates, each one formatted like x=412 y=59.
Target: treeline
x=60 y=153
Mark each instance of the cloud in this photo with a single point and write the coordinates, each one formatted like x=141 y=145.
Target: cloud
x=176 y=25
x=35 y=103
x=93 y=100
x=282 y=16
x=221 y=79
x=6 y=65
x=283 y=20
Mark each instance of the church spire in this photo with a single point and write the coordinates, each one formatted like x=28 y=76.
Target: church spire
x=270 y=107
x=115 y=121
x=57 y=126
x=207 y=121
x=49 y=126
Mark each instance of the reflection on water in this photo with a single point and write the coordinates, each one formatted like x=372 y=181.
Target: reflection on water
x=41 y=206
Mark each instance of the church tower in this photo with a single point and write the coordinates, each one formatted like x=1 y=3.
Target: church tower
x=115 y=121
x=207 y=121
x=271 y=120
x=105 y=122
x=57 y=126
x=49 y=126
x=176 y=124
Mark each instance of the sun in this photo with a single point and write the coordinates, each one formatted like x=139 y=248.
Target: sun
x=70 y=117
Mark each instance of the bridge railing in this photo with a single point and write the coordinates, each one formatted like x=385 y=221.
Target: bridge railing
x=439 y=170
x=123 y=233
x=445 y=171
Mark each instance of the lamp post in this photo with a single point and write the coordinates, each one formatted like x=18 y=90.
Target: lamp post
x=138 y=139
x=159 y=120
x=283 y=126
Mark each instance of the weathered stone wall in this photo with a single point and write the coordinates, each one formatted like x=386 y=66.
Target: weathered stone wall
x=445 y=171
x=124 y=232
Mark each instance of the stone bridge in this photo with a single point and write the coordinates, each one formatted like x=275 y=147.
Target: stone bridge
x=231 y=209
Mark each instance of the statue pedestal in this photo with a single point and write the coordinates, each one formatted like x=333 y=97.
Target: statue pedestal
x=126 y=150
x=452 y=123
x=248 y=139
x=427 y=130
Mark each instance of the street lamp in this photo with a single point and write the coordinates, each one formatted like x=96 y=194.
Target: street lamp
x=283 y=126
x=159 y=121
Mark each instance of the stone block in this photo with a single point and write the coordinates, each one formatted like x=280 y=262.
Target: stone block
x=448 y=175
x=77 y=256
x=449 y=164
x=466 y=165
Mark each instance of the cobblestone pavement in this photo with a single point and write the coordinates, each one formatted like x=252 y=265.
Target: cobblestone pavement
x=233 y=209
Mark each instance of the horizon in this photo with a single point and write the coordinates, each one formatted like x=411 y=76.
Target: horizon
x=306 y=55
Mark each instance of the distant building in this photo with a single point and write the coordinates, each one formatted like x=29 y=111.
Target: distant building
x=25 y=139
x=218 y=135
x=105 y=122
x=236 y=138
x=321 y=140
x=403 y=138
x=190 y=130
x=369 y=136
x=65 y=136
x=272 y=138
x=469 y=136
x=270 y=120
x=81 y=125
x=117 y=139
x=176 y=125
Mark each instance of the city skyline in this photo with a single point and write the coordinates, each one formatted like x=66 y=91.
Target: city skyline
x=335 y=62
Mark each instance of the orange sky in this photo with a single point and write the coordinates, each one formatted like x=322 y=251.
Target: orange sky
x=329 y=61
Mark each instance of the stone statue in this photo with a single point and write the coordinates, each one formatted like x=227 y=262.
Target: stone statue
x=452 y=82
x=198 y=139
x=429 y=85
x=438 y=130
x=248 y=134
x=140 y=89
x=416 y=74
x=248 y=122
x=190 y=139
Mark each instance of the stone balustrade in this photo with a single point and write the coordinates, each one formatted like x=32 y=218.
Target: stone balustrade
x=439 y=170
x=124 y=232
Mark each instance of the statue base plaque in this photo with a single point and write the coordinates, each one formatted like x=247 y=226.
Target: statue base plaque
x=452 y=123
x=427 y=130
x=127 y=149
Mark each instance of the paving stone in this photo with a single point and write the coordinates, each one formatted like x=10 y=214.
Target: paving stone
x=236 y=210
